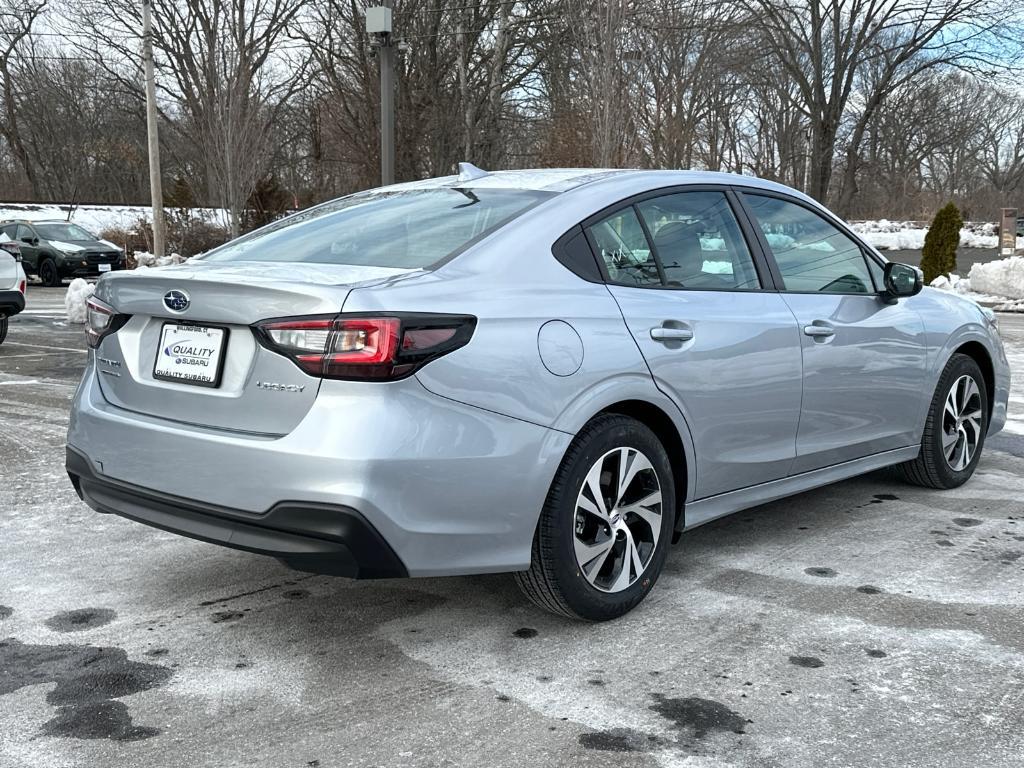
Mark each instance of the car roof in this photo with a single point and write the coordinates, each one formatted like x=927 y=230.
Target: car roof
x=566 y=179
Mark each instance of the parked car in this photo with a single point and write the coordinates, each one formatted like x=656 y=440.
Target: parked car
x=553 y=373
x=12 y=286
x=55 y=250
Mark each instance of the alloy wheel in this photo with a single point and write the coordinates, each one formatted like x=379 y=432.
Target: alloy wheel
x=961 y=423
x=618 y=519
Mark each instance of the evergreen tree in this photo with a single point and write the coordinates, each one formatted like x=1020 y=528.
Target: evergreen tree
x=940 y=244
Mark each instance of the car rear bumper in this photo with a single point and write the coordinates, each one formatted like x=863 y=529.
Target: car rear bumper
x=11 y=303
x=449 y=488
x=318 y=538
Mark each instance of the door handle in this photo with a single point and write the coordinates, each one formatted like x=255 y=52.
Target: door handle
x=819 y=331
x=662 y=333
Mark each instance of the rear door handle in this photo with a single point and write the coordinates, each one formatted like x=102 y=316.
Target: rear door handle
x=819 y=331
x=662 y=333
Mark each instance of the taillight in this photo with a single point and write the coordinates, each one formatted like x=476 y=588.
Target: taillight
x=378 y=347
x=21 y=286
x=101 y=320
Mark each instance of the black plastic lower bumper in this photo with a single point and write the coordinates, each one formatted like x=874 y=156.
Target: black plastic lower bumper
x=318 y=538
x=11 y=303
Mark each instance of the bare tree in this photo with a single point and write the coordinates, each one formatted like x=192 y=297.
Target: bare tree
x=17 y=18
x=824 y=46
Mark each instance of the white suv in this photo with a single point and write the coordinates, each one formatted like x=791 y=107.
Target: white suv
x=12 y=289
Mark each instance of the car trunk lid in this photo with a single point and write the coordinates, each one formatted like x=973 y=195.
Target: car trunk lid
x=257 y=391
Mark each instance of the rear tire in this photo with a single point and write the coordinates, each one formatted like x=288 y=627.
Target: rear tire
x=49 y=273
x=3 y=329
x=621 y=531
x=954 y=433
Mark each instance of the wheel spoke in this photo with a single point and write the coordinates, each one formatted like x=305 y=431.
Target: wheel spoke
x=638 y=565
x=624 y=578
x=961 y=451
x=593 y=482
x=591 y=557
x=949 y=441
x=637 y=463
x=642 y=509
x=588 y=506
x=951 y=408
x=969 y=390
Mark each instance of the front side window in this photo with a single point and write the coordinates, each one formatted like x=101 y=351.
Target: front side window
x=699 y=242
x=24 y=233
x=622 y=246
x=411 y=229
x=813 y=256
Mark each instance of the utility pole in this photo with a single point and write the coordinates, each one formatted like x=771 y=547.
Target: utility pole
x=156 y=193
x=378 y=24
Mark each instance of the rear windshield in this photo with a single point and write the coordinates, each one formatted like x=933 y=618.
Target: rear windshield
x=410 y=229
x=63 y=232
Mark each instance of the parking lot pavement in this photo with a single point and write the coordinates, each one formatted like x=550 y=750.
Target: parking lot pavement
x=869 y=623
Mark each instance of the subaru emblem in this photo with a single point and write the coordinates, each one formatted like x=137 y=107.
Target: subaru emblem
x=176 y=301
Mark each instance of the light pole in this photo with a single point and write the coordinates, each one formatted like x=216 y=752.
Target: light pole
x=378 y=24
x=156 y=192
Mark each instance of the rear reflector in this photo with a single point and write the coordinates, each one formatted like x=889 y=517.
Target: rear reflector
x=378 y=347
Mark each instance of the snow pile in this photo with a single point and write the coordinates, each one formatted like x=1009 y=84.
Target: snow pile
x=145 y=259
x=74 y=300
x=995 y=284
x=953 y=283
x=97 y=218
x=1004 y=277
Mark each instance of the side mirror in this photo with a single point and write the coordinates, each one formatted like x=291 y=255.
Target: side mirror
x=901 y=280
x=29 y=240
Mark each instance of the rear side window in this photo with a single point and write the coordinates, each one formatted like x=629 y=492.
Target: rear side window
x=409 y=229
x=698 y=242
x=812 y=255
x=622 y=245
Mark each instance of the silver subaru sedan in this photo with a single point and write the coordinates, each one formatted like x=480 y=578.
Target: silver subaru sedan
x=552 y=373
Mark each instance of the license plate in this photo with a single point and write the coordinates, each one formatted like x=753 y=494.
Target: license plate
x=104 y=267
x=191 y=354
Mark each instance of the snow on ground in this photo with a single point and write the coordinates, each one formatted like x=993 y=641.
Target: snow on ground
x=74 y=300
x=97 y=218
x=888 y=235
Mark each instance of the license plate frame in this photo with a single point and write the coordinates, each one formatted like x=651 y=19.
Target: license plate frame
x=195 y=327
x=104 y=267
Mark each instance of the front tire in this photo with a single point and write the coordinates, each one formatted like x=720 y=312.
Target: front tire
x=49 y=273
x=607 y=523
x=954 y=433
